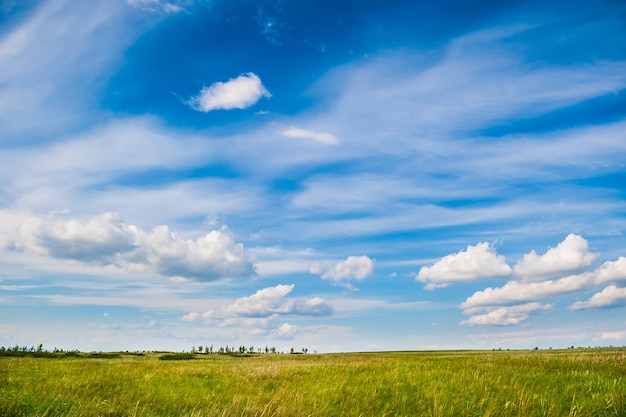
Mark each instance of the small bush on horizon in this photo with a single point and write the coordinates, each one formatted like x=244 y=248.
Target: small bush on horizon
x=177 y=357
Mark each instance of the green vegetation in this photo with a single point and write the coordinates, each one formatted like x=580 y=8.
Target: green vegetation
x=573 y=382
x=177 y=356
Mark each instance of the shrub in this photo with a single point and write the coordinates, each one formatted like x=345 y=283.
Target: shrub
x=177 y=357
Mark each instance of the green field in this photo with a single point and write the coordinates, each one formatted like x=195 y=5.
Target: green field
x=572 y=382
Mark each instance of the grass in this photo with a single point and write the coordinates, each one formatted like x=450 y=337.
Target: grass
x=572 y=382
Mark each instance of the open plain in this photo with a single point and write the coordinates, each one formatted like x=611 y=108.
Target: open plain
x=570 y=382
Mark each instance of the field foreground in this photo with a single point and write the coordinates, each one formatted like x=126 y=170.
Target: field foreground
x=573 y=382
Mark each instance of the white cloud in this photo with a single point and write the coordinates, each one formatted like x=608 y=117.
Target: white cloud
x=569 y=256
x=611 y=271
x=479 y=81
x=272 y=300
x=504 y=316
x=107 y=240
x=315 y=306
x=42 y=95
x=617 y=335
x=523 y=291
x=263 y=303
x=211 y=256
x=475 y=263
x=99 y=238
x=158 y=5
x=611 y=296
x=193 y=316
x=540 y=280
x=266 y=303
x=520 y=292
x=286 y=331
x=237 y=93
x=353 y=268
x=321 y=137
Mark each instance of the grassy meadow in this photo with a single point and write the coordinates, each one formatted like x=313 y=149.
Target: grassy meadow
x=572 y=382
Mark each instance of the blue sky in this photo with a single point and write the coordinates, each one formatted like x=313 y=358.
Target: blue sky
x=342 y=177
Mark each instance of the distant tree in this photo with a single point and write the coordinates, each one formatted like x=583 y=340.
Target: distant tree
x=206 y=349
x=291 y=351
x=251 y=349
x=305 y=350
x=200 y=348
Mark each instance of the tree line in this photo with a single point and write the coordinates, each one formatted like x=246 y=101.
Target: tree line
x=18 y=350
x=241 y=350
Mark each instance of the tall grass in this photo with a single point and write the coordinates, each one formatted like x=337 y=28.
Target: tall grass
x=542 y=383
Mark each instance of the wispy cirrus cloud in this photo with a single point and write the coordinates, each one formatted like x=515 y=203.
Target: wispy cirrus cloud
x=477 y=81
x=163 y=6
x=237 y=93
x=41 y=95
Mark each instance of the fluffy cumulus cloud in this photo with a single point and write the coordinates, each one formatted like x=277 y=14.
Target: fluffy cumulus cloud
x=564 y=270
x=521 y=292
x=261 y=310
x=107 y=240
x=286 y=331
x=571 y=255
x=101 y=238
x=504 y=316
x=237 y=93
x=272 y=300
x=354 y=268
x=611 y=296
x=321 y=137
x=611 y=271
x=210 y=256
x=475 y=263
x=262 y=303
